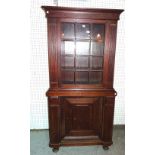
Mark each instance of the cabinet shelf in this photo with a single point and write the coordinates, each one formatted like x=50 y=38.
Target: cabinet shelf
x=78 y=39
x=81 y=70
x=79 y=55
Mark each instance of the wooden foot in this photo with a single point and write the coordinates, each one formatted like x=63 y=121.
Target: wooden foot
x=105 y=147
x=55 y=150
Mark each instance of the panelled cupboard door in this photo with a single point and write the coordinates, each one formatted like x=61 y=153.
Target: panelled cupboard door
x=81 y=54
x=81 y=116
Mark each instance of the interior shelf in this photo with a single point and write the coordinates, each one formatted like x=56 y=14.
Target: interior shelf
x=81 y=70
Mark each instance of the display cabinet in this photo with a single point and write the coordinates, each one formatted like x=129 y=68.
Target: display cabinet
x=81 y=53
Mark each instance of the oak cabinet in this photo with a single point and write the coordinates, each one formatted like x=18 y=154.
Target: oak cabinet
x=81 y=53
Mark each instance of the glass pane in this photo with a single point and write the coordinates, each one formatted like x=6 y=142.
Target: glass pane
x=82 y=48
x=96 y=62
x=97 y=48
x=67 y=62
x=95 y=77
x=81 y=77
x=83 y=31
x=98 y=32
x=81 y=62
x=67 y=30
x=67 y=77
x=67 y=47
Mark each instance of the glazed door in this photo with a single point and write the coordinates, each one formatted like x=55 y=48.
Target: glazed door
x=82 y=53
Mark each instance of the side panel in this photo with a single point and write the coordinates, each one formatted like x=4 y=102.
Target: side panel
x=109 y=54
x=54 y=121
x=52 y=24
x=107 y=124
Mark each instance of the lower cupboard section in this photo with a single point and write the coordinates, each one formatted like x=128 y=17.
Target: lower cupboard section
x=80 y=120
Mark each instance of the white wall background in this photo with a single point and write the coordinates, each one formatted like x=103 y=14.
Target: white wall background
x=39 y=59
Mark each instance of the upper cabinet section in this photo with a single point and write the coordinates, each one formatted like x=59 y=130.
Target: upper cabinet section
x=82 y=13
x=81 y=46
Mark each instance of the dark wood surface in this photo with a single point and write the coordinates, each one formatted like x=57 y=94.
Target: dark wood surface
x=80 y=113
x=88 y=13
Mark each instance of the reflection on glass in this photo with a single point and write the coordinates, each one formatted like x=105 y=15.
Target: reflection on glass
x=82 y=62
x=98 y=37
x=67 y=30
x=67 y=62
x=83 y=31
x=95 y=77
x=96 y=62
x=81 y=77
x=68 y=47
x=98 y=32
x=82 y=48
x=97 y=48
x=67 y=77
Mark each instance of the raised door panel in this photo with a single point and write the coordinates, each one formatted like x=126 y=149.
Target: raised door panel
x=81 y=116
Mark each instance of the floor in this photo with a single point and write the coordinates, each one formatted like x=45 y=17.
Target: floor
x=39 y=145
